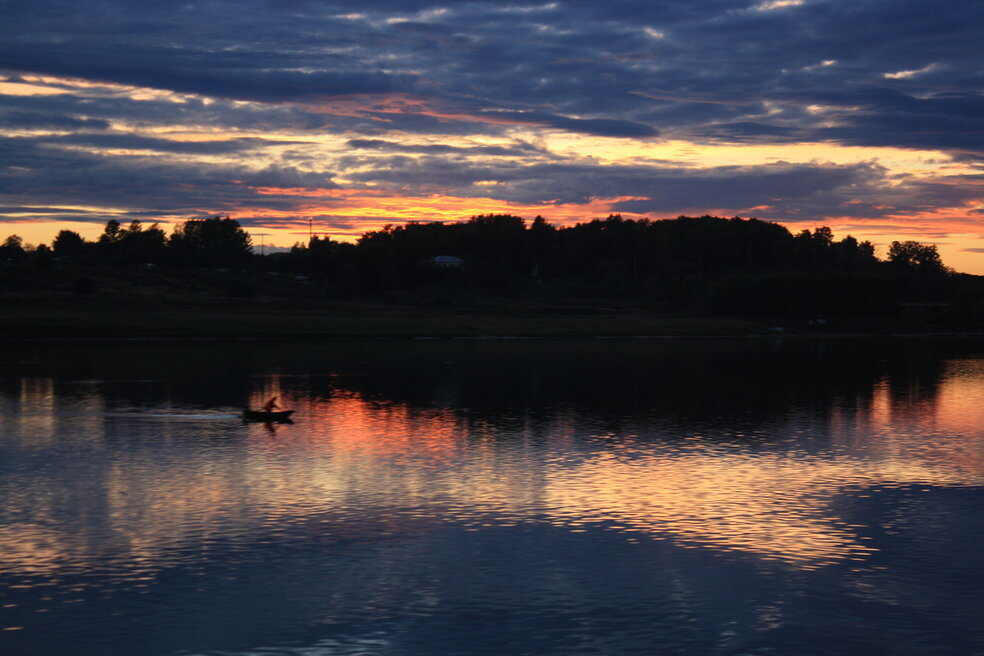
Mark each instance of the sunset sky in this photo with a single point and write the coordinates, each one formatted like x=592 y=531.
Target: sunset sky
x=864 y=115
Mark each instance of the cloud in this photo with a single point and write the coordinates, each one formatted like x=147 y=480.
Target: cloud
x=180 y=107
x=518 y=149
x=22 y=120
x=566 y=65
x=138 y=142
x=782 y=191
x=179 y=72
x=32 y=169
x=603 y=127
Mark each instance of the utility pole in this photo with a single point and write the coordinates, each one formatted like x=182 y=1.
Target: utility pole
x=261 y=235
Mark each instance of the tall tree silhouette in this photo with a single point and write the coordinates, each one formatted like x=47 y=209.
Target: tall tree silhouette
x=12 y=248
x=915 y=255
x=217 y=241
x=68 y=244
x=131 y=245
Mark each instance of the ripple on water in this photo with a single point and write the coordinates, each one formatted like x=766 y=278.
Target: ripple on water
x=381 y=525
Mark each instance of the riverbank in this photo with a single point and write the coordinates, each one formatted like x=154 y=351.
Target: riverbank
x=355 y=320
x=133 y=308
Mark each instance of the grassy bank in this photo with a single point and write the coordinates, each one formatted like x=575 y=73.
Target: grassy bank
x=178 y=304
x=163 y=317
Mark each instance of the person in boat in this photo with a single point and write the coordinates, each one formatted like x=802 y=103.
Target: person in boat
x=270 y=405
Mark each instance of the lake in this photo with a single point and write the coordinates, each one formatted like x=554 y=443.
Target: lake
x=749 y=496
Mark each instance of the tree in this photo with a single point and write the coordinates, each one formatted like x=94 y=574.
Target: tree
x=542 y=235
x=217 y=241
x=915 y=256
x=68 y=244
x=13 y=247
x=108 y=246
x=112 y=233
x=145 y=245
x=43 y=257
x=131 y=245
x=824 y=235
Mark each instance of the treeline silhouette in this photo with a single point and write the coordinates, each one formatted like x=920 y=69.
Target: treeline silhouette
x=702 y=264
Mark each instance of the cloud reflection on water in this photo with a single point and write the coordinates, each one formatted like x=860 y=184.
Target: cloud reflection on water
x=145 y=488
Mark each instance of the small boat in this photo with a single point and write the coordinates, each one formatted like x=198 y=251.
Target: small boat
x=279 y=416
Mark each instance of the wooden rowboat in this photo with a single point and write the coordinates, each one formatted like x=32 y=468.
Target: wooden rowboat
x=267 y=417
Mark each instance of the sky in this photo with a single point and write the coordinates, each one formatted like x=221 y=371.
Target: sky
x=300 y=116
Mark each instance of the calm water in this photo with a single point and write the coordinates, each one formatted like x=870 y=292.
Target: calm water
x=507 y=498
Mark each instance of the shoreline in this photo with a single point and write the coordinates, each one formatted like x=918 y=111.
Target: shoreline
x=328 y=337
x=490 y=338
x=171 y=320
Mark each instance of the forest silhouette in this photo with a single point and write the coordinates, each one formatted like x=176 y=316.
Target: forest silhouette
x=705 y=265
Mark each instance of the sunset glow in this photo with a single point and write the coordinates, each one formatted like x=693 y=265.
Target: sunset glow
x=428 y=113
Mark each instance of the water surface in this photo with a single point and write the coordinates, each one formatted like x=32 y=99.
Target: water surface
x=597 y=497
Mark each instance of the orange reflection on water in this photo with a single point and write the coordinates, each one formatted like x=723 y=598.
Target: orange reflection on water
x=352 y=427
x=772 y=505
x=31 y=548
x=366 y=462
x=775 y=505
x=937 y=421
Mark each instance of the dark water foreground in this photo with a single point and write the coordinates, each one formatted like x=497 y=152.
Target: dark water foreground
x=435 y=498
